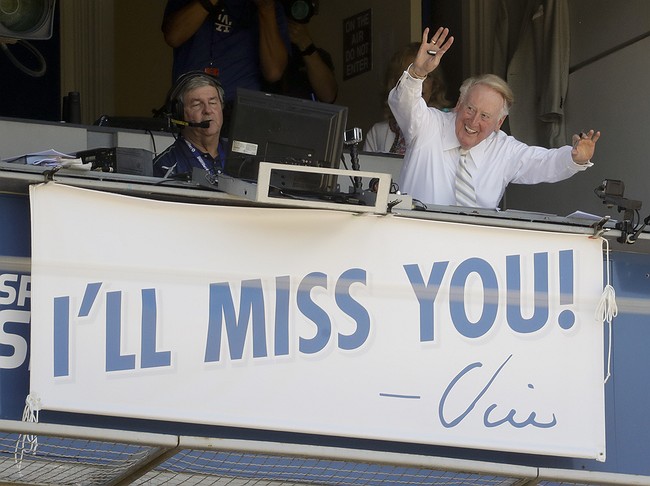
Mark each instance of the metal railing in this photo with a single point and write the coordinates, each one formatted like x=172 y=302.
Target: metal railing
x=53 y=454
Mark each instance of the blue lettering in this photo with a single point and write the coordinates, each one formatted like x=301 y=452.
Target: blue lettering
x=426 y=295
x=510 y=419
x=314 y=313
x=566 y=276
x=487 y=422
x=222 y=309
x=457 y=297
x=567 y=318
x=115 y=361
x=541 y=301
x=282 y=288
x=221 y=306
x=352 y=308
x=150 y=357
x=448 y=390
x=61 y=338
x=89 y=298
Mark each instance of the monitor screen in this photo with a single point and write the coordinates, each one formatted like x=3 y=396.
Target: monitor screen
x=280 y=129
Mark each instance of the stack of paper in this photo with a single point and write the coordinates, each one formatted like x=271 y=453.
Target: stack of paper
x=50 y=158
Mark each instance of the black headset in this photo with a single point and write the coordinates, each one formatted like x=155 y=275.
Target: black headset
x=174 y=104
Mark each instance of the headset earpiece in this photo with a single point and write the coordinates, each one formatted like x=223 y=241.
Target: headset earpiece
x=174 y=103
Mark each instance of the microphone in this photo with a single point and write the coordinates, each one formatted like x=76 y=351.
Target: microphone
x=203 y=124
x=181 y=123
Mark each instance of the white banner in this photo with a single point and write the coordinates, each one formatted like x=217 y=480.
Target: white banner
x=314 y=321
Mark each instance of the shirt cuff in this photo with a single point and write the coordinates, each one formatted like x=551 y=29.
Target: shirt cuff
x=408 y=75
x=580 y=167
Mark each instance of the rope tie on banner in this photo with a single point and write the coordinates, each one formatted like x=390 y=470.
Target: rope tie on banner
x=27 y=443
x=607 y=309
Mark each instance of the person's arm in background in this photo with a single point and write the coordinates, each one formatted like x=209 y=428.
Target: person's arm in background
x=321 y=77
x=180 y=25
x=273 y=50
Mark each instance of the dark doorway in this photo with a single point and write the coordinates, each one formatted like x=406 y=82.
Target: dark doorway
x=23 y=95
x=447 y=13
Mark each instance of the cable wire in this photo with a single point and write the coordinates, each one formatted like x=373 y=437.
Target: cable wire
x=607 y=309
x=36 y=73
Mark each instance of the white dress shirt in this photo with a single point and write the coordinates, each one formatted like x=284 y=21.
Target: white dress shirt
x=380 y=138
x=433 y=153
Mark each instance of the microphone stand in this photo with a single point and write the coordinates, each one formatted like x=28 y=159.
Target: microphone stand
x=632 y=239
x=611 y=192
x=353 y=138
x=354 y=159
x=627 y=207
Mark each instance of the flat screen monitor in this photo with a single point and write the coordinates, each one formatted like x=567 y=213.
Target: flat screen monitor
x=281 y=129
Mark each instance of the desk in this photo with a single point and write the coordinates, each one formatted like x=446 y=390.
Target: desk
x=18 y=137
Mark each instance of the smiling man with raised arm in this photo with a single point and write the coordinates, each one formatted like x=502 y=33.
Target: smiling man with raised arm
x=462 y=157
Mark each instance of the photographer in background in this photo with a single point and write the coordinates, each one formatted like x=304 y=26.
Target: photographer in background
x=242 y=42
x=310 y=71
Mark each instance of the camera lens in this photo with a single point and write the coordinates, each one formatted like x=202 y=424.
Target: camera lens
x=299 y=10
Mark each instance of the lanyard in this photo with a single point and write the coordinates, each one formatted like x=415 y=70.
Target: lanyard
x=199 y=157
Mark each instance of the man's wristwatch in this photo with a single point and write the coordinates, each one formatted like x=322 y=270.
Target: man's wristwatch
x=309 y=50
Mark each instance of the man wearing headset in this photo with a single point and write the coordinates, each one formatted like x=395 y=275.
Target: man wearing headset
x=195 y=105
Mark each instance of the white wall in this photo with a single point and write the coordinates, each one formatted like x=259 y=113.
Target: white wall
x=610 y=95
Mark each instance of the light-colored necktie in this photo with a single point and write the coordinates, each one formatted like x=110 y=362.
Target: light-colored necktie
x=465 y=194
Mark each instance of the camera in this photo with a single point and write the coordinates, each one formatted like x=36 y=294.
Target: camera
x=300 y=10
x=611 y=187
x=611 y=191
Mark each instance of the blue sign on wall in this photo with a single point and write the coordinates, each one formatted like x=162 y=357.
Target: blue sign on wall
x=15 y=304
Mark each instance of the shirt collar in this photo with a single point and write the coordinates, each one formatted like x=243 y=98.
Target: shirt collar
x=478 y=153
x=450 y=141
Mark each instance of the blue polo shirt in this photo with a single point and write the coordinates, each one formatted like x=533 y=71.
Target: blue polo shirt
x=227 y=43
x=182 y=157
